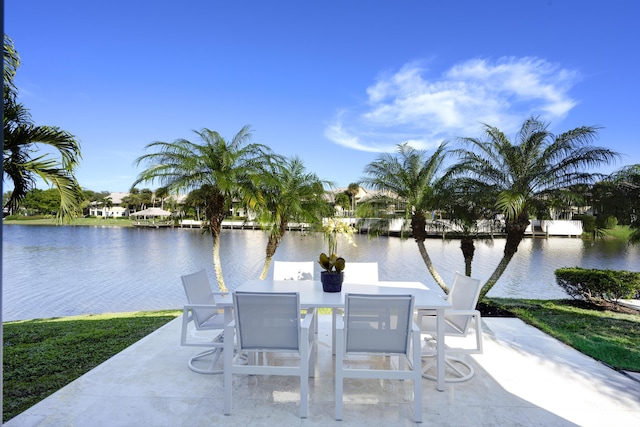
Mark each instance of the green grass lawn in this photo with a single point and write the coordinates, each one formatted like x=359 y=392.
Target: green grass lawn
x=93 y=222
x=608 y=336
x=43 y=355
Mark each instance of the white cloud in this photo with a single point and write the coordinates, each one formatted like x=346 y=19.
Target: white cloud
x=414 y=106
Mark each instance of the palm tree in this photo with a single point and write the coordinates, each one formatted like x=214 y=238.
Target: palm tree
x=464 y=209
x=132 y=201
x=219 y=168
x=342 y=200
x=627 y=179
x=411 y=178
x=288 y=194
x=523 y=177
x=161 y=193
x=10 y=66
x=146 y=198
x=352 y=190
x=107 y=204
x=195 y=200
x=21 y=139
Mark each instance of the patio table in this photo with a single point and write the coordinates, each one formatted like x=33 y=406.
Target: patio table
x=312 y=296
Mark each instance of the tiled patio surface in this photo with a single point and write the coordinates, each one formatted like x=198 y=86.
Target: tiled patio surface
x=523 y=378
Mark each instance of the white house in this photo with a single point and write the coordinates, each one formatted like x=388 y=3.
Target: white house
x=116 y=209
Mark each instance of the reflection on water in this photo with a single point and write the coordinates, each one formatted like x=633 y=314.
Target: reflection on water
x=61 y=271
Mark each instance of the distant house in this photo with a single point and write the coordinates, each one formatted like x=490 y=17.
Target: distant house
x=114 y=209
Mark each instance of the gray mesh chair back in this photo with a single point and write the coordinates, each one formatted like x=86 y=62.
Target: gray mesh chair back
x=207 y=319
x=379 y=326
x=267 y=323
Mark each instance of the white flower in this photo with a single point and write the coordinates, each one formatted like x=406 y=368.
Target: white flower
x=335 y=227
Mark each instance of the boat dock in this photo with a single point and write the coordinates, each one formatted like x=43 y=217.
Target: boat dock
x=435 y=228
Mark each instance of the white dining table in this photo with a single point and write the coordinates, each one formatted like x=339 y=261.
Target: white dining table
x=312 y=296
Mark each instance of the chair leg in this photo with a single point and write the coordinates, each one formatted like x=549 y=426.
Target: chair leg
x=214 y=353
x=304 y=390
x=228 y=368
x=462 y=370
x=417 y=379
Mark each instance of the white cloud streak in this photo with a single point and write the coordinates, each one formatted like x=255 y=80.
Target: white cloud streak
x=412 y=106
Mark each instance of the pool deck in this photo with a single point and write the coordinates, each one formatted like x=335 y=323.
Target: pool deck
x=523 y=378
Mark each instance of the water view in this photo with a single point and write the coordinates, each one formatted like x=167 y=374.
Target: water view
x=62 y=271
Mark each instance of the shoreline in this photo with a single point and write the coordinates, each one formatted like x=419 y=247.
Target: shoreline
x=231 y=224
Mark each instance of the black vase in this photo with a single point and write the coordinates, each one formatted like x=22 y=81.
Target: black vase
x=331 y=282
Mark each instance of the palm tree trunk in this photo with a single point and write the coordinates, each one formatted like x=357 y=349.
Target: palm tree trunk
x=497 y=273
x=430 y=267
x=265 y=267
x=217 y=264
x=215 y=211
x=468 y=248
x=275 y=237
x=419 y=230
x=515 y=234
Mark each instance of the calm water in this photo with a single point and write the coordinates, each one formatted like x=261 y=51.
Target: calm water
x=61 y=271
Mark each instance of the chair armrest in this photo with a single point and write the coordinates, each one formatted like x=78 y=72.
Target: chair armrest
x=463 y=312
x=202 y=306
x=308 y=318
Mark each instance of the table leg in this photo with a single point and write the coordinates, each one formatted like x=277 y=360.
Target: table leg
x=440 y=348
x=334 y=313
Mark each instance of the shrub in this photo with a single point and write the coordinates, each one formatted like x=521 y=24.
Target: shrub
x=607 y=222
x=598 y=285
x=588 y=222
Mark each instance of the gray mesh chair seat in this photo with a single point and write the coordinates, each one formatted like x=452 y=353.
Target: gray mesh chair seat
x=269 y=323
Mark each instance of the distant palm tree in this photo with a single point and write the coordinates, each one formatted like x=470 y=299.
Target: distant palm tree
x=161 y=193
x=107 y=203
x=410 y=177
x=288 y=194
x=627 y=179
x=352 y=190
x=21 y=140
x=523 y=177
x=220 y=169
x=195 y=200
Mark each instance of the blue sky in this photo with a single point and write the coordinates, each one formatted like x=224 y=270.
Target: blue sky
x=334 y=82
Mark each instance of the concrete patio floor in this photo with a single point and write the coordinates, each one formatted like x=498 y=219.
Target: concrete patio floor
x=523 y=378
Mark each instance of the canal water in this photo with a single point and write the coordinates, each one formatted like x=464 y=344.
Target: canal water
x=53 y=271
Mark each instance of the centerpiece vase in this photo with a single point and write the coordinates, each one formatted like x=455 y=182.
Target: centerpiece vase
x=331 y=282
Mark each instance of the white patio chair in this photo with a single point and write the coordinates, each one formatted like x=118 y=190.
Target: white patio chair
x=208 y=321
x=365 y=273
x=361 y=272
x=269 y=323
x=293 y=270
x=463 y=296
x=358 y=335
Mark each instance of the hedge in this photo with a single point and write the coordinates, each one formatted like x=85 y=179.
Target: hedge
x=598 y=285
